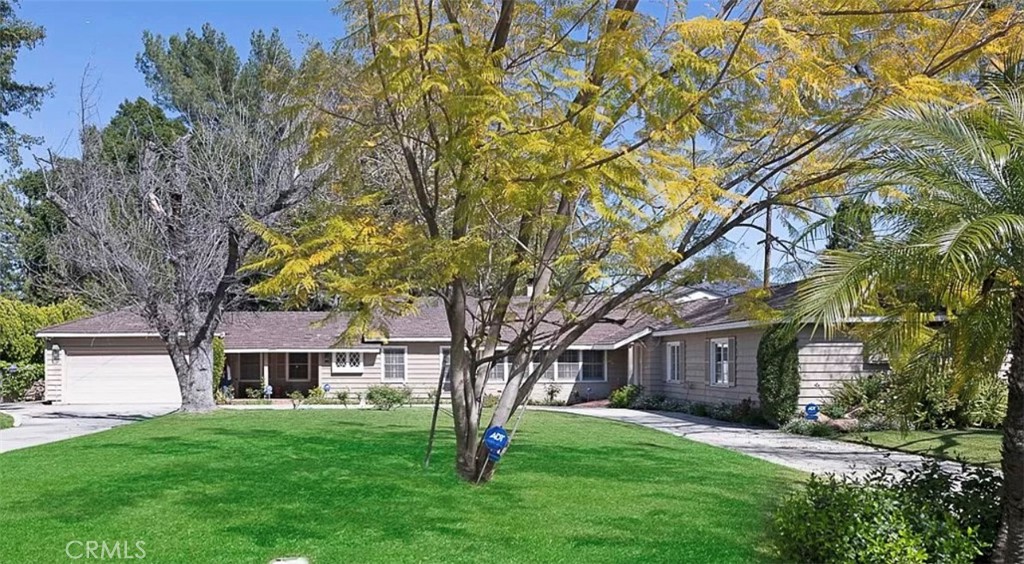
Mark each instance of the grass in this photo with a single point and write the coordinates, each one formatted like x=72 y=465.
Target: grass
x=348 y=486
x=977 y=446
x=6 y=421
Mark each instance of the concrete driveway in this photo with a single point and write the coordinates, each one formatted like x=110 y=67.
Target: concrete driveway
x=41 y=424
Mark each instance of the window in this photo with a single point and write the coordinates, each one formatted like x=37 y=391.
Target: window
x=394 y=364
x=249 y=368
x=568 y=367
x=593 y=369
x=549 y=372
x=499 y=371
x=348 y=361
x=719 y=359
x=577 y=366
x=673 y=362
x=298 y=367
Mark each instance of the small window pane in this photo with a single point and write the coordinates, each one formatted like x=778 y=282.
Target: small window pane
x=569 y=365
x=394 y=364
x=498 y=371
x=549 y=373
x=250 y=368
x=298 y=366
x=446 y=364
x=593 y=366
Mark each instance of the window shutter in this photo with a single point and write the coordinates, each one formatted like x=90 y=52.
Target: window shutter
x=708 y=360
x=732 y=362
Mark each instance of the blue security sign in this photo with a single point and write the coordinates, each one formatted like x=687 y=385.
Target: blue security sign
x=812 y=410
x=495 y=439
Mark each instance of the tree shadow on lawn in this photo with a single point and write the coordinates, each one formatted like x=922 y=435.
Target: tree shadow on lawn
x=948 y=447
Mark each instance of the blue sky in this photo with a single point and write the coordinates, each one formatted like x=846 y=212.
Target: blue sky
x=103 y=37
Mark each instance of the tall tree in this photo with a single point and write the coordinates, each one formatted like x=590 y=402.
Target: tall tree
x=167 y=240
x=587 y=149
x=156 y=220
x=200 y=76
x=16 y=97
x=137 y=124
x=953 y=246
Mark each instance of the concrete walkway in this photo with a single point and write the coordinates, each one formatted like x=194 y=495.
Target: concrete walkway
x=41 y=424
x=808 y=454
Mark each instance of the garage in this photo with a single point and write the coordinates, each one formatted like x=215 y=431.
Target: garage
x=120 y=379
x=111 y=370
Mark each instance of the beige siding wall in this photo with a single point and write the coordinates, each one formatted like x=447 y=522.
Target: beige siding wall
x=423 y=367
x=694 y=383
x=824 y=362
x=54 y=376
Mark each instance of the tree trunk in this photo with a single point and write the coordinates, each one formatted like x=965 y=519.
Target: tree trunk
x=195 y=375
x=1009 y=548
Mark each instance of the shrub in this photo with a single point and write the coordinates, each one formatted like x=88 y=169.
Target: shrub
x=778 y=374
x=809 y=428
x=17 y=382
x=316 y=395
x=919 y=515
x=254 y=393
x=551 y=392
x=297 y=398
x=388 y=397
x=343 y=397
x=20 y=321
x=219 y=360
x=490 y=400
x=624 y=396
x=922 y=401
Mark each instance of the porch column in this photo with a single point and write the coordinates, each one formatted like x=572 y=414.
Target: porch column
x=264 y=369
x=630 y=377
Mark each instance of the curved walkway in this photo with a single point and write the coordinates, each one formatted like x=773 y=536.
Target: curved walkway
x=808 y=454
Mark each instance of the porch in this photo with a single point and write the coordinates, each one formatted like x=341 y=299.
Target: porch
x=284 y=372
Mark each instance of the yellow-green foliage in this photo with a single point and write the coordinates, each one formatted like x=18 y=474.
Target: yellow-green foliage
x=20 y=321
x=628 y=141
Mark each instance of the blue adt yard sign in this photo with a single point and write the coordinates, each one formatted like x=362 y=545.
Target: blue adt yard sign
x=496 y=439
x=812 y=410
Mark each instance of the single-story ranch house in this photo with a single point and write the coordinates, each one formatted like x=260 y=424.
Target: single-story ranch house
x=710 y=356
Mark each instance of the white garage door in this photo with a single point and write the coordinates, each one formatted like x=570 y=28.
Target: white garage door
x=145 y=378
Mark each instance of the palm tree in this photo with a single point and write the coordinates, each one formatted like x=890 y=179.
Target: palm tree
x=945 y=272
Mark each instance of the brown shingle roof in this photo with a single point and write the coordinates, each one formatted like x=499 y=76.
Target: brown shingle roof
x=300 y=330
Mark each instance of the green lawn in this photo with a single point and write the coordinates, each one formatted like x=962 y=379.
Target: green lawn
x=348 y=486
x=6 y=421
x=978 y=446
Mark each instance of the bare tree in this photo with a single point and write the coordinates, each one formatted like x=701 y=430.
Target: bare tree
x=167 y=238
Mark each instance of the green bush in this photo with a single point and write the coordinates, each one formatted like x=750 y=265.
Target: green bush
x=921 y=515
x=624 y=396
x=778 y=374
x=20 y=321
x=219 y=360
x=931 y=401
x=343 y=396
x=809 y=428
x=388 y=397
x=316 y=395
x=744 y=412
x=16 y=383
x=490 y=400
x=297 y=398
